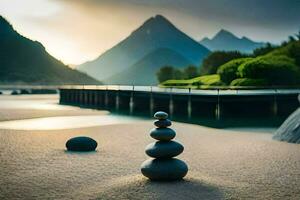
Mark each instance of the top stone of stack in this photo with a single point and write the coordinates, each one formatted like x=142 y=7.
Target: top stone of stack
x=162 y=121
x=161 y=115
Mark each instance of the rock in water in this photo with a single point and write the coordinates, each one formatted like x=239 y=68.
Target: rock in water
x=81 y=144
x=163 y=167
x=289 y=131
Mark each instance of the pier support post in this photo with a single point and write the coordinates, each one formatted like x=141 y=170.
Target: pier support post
x=91 y=98
x=171 y=106
x=100 y=99
x=61 y=96
x=86 y=97
x=96 y=99
x=81 y=96
x=275 y=105
x=151 y=106
x=72 y=100
x=218 y=107
x=117 y=101
x=106 y=98
x=131 y=102
x=189 y=105
x=76 y=100
x=66 y=98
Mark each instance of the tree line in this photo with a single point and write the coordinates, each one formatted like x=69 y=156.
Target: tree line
x=262 y=67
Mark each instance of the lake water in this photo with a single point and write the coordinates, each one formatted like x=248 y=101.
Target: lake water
x=51 y=103
x=36 y=102
x=66 y=122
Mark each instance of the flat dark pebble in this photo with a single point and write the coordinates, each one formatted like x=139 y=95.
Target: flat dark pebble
x=164 y=123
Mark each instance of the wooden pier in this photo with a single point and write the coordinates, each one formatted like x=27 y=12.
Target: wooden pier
x=186 y=103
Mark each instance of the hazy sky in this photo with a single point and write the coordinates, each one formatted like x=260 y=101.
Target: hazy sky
x=75 y=31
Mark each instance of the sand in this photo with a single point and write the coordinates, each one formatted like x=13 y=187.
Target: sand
x=223 y=164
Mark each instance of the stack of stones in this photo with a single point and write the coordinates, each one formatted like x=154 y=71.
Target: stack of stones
x=162 y=166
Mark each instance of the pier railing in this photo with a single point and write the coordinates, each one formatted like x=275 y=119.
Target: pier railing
x=204 y=91
x=217 y=102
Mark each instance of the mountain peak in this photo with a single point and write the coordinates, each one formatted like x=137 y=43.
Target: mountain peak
x=224 y=34
x=5 y=26
x=156 y=33
x=158 y=19
x=227 y=41
x=157 y=22
x=205 y=39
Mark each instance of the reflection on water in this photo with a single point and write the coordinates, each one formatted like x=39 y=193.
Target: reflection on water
x=36 y=102
x=51 y=102
x=253 y=129
x=69 y=122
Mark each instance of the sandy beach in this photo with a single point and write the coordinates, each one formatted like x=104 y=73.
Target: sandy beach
x=223 y=164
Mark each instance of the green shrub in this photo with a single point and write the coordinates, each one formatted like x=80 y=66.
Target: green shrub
x=277 y=70
x=264 y=50
x=228 y=71
x=294 y=52
x=190 y=72
x=174 y=83
x=167 y=73
x=249 y=82
x=210 y=80
x=211 y=63
x=291 y=49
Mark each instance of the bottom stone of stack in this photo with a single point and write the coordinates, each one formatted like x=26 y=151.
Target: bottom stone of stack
x=169 y=169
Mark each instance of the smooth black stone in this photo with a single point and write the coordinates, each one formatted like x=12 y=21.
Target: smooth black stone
x=81 y=144
x=164 y=169
x=163 y=123
x=1 y=93
x=164 y=149
x=162 y=134
x=24 y=92
x=161 y=115
x=15 y=92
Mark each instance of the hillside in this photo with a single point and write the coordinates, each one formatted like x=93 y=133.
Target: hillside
x=144 y=71
x=23 y=61
x=279 y=67
x=156 y=33
x=226 y=41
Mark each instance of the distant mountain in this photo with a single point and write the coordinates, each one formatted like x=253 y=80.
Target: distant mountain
x=23 y=61
x=156 y=33
x=226 y=41
x=144 y=71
